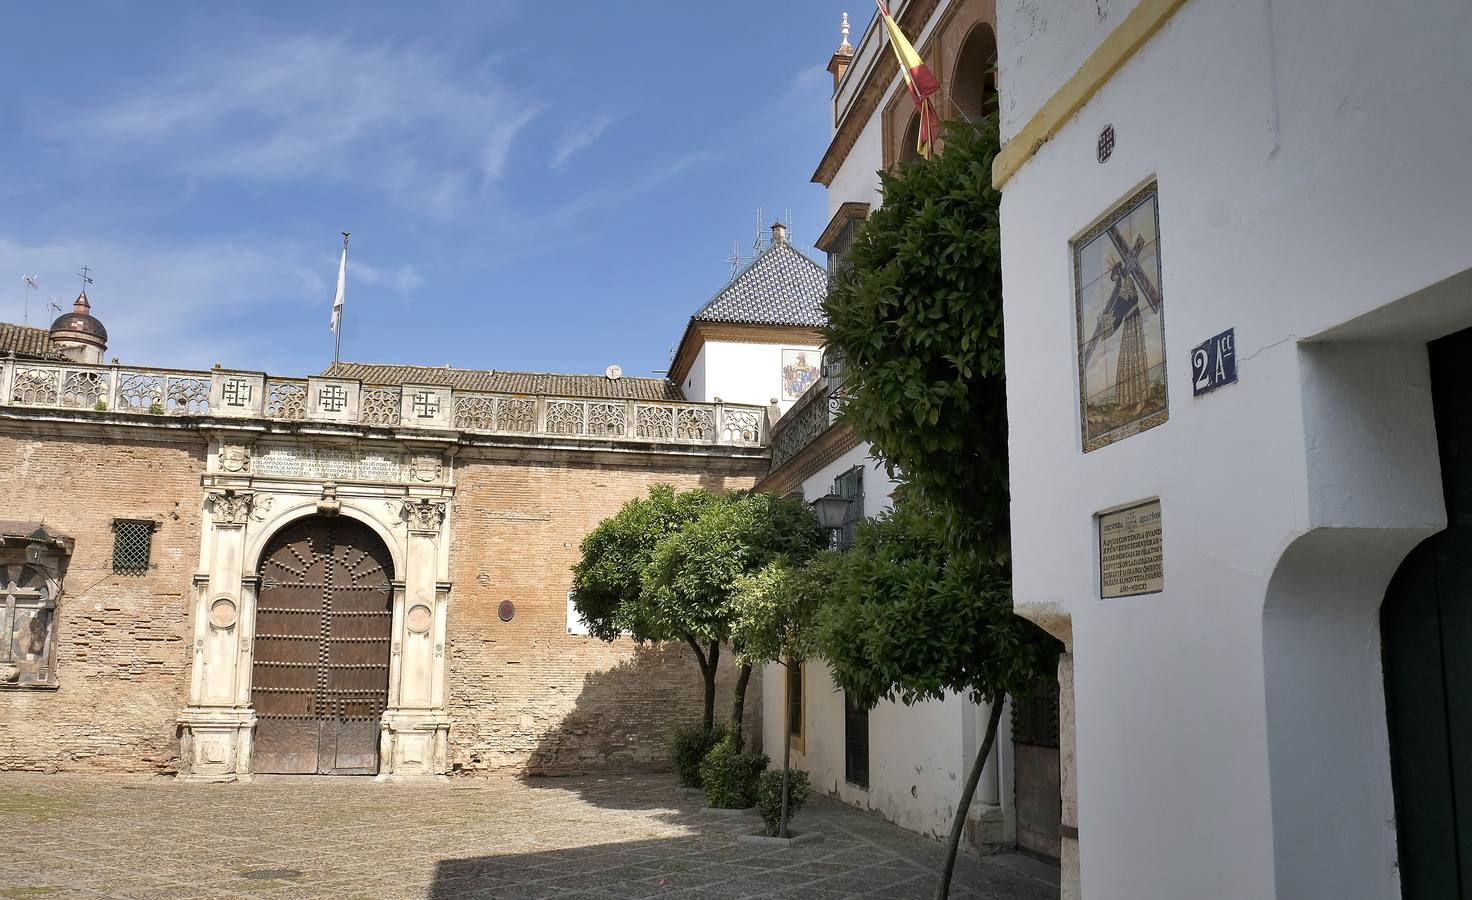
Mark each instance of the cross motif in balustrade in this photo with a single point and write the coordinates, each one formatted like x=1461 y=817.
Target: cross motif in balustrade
x=426 y=404
x=236 y=392
x=332 y=398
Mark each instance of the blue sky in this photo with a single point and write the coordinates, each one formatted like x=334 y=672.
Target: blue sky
x=530 y=186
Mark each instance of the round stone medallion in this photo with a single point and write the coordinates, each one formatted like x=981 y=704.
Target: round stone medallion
x=222 y=612
x=419 y=618
x=506 y=610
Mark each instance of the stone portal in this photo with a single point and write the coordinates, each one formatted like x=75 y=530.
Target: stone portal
x=323 y=627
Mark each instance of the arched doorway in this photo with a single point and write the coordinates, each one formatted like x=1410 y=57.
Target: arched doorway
x=1426 y=641
x=323 y=619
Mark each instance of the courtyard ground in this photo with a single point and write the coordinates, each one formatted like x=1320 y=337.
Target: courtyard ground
x=635 y=836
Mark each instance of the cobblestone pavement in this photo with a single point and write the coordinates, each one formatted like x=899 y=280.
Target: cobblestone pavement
x=634 y=836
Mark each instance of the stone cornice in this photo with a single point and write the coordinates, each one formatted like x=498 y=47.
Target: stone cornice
x=847 y=212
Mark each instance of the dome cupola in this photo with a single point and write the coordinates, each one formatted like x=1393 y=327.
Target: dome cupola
x=78 y=334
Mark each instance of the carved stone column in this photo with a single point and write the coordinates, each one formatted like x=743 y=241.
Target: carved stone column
x=217 y=724
x=416 y=725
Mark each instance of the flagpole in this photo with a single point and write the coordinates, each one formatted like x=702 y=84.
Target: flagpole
x=337 y=303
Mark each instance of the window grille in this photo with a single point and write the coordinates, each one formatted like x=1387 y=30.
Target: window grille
x=1035 y=717
x=850 y=485
x=132 y=541
x=855 y=744
x=842 y=243
x=794 y=705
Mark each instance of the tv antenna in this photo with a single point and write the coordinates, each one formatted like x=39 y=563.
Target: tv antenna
x=758 y=244
x=31 y=286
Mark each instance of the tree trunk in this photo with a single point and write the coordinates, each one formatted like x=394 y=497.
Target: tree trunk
x=944 y=890
x=707 y=678
x=738 y=707
x=710 y=684
x=786 y=760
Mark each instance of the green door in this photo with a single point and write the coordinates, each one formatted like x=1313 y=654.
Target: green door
x=1426 y=636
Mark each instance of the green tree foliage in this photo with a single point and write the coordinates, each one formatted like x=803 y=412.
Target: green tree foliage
x=770 y=790
x=664 y=568
x=917 y=318
x=688 y=749
x=776 y=613
x=906 y=616
x=910 y=616
x=693 y=574
x=609 y=588
x=728 y=776
x=608 y=581
x=777 y=609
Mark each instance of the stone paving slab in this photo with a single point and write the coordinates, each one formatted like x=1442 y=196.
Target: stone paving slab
x=631 y=836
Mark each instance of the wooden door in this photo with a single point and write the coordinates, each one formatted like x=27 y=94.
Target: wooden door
x=1037 y=791
x=1426 y=641
x=320 y=677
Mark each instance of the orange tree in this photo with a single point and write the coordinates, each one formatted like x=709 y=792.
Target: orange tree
x=922 y=605
x=608 y=588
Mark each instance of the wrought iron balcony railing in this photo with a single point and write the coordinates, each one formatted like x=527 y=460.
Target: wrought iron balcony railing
x=814 y=413
x=228 y=394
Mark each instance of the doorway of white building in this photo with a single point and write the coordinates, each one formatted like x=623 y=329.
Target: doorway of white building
x=1037 y=785
x=1426 y=640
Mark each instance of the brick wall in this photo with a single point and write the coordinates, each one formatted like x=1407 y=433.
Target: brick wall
x=525 y=695
x=122 y=641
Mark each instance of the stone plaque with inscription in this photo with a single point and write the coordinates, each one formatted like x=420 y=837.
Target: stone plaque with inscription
x=1131 y=551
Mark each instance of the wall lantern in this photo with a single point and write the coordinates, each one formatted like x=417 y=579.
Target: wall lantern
x=832 y=510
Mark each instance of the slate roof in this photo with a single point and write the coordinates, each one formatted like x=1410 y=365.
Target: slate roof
x=27 y=341
x=596 y=387
x=780 y=287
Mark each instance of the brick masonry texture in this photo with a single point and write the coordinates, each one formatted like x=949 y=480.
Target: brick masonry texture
x=122 y=641
x=525 y=695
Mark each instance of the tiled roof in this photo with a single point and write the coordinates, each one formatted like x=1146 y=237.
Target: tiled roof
x=596 y=387
x=25 y=340
x=780 y=287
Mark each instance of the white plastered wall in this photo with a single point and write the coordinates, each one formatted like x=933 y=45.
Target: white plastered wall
x=743 y=372
x=1230 y=730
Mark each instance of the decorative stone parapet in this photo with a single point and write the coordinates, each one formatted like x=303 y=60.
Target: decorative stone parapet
x=242 y=396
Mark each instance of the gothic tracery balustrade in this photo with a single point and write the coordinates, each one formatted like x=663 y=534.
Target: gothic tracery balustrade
x=78 y=388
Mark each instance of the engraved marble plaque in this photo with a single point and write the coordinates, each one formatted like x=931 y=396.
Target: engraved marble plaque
x=1131 y=551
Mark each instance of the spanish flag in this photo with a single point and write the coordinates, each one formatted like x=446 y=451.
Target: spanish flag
x=918 y=79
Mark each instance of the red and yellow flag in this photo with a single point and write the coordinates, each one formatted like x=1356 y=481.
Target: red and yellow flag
x=918 y=79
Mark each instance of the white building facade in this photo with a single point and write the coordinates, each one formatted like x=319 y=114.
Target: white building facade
x=1253 y=714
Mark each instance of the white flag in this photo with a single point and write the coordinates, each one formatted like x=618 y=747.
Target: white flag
x=342 y=279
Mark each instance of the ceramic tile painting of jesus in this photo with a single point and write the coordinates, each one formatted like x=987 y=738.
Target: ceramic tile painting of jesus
x=1119 y=309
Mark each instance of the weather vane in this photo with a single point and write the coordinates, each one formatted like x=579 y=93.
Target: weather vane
x=86 y=277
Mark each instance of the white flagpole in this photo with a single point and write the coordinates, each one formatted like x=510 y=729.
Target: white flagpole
x=342 y=281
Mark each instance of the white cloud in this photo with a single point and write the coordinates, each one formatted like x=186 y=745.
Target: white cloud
x=576 y=139
x=192 y=305
x=403 y=280
x=302 y=108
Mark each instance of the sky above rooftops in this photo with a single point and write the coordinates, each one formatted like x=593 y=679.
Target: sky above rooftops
x=529 y=186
